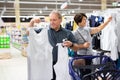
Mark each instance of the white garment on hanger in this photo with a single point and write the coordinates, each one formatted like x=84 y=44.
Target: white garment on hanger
x=117 y=29
x=109 y=40
x=39 y=56
x=61 y=67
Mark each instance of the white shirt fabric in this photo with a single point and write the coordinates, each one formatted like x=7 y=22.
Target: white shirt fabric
x=109 y=40
x=117 y=29
x=61 y=67
x=39 y=56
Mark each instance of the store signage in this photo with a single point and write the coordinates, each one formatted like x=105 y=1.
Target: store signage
x=117 y=3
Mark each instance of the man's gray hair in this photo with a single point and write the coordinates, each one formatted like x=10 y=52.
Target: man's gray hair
x=57 y=13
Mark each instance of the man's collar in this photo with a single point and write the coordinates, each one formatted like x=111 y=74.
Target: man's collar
x=57 y=30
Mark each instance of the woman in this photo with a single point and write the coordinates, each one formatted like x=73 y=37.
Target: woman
x=83 y=34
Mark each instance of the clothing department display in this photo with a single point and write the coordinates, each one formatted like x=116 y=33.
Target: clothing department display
x=109 y=39
x=95 y=21
x=69 y=26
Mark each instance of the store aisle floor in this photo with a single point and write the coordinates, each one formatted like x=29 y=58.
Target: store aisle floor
x=14 y=68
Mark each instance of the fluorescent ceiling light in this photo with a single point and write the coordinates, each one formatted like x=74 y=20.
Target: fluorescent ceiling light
x=80 y=0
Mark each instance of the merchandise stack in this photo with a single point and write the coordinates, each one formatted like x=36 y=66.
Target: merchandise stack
x=24 y=41
x=4 y=41
x=4 y=45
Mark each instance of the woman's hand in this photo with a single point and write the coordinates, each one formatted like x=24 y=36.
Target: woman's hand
x=86 y=44
x=110 y=18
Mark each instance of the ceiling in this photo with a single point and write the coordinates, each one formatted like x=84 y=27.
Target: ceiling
x=44 y=7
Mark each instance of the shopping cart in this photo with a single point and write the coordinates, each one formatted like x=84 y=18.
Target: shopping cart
x=112 y=74
x=105 y=65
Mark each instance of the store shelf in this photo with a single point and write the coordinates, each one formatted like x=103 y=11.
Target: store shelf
x=16 y=45
x=16 y=38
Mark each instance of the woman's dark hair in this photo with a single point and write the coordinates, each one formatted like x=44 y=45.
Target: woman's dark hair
x=78 y=17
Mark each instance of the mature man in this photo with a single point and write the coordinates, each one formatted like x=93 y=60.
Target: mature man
x=56 y=34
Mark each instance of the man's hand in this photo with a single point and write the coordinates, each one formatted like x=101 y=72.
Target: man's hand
x=67 y=43
x=33 y=21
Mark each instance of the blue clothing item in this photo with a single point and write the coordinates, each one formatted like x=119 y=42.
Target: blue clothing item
x=58 y=36
x=71 y=53
x=38 y=30
x=95 y=20
x=69 y=26
x=118 y=63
